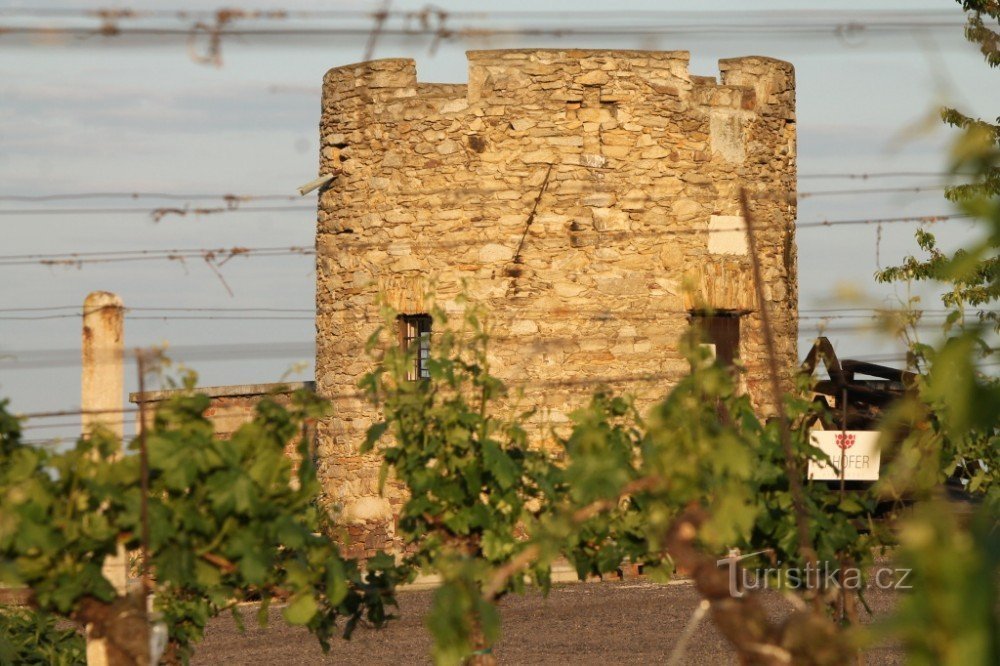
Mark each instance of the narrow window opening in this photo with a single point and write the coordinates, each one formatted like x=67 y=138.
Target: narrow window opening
x=721 y=331
x=415 y=338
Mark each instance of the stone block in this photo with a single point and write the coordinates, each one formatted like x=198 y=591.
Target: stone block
x=727 y=235
x=493 y=252
x=609 y=219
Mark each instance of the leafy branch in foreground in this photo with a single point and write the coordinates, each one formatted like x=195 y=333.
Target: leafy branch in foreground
x=474 y=484
x=226 y=523
x=31 y=637
x=953 y=419
x=489 y=511
x=952 y=423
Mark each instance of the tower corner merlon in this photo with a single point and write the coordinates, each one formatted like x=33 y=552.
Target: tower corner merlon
x=380 y=79
x=773 y=81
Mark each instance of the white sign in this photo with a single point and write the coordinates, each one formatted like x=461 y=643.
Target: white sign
x=860 y=451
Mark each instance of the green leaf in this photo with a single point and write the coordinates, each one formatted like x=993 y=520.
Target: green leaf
x=661 y=573
x=263 y=613
x=253 y=566
x=499 y=464
x=301 y=609
x=373 y=435
x=336 y=582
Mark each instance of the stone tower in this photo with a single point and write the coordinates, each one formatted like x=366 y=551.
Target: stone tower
x=590 y=199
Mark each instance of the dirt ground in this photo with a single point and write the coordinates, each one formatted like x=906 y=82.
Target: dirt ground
x=624 y=622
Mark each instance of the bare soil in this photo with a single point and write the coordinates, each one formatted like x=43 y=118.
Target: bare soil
x=624 y=622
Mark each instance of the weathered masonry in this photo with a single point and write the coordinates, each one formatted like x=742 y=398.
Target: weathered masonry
x=590 y=199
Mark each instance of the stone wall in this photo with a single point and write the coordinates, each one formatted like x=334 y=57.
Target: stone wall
x=588 y=198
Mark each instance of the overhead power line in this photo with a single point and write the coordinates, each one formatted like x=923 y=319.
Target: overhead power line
x=74 y=412
x=583 y=381
x=234 y=201
x=475 y=33
x=879 y=190
x=156 y=213
x=541 y=383
x=55 y=358
x=588 y=381
x=274 y=14
x=218 y=256
x=882 y=220
x=480 y=30
x=77 y=309
x=438 y=25
x=166 y=317
x=72 y=424
x=876 y=175
x=198 y=251
x=266 y=317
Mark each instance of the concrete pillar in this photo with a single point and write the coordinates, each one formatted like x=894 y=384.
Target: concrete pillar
x=102 y=395
x=103 y=379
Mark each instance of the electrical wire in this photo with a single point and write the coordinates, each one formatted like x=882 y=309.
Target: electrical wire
x=233 y=201
x=282 y=13
x=267 y=317
x=160 y=212
x=481 y=33
x=218 y=256
x=226 y=308
x=55 y=358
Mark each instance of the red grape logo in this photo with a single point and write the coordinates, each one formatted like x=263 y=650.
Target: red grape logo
x=845 y=440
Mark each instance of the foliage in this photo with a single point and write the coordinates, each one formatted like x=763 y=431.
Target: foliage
x=978 y=285
x=56 y=527
x=986 y=35
x=699 y=446
x=486 y=511
x=973 y=274
x=953 y=421
x=472 y=478
x=977 y=31
x=703 y=450
x=602 y=455
x=32 y=638
x=225 y=522
x=950 y=616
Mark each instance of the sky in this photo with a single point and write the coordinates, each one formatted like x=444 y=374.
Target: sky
x=139 y=113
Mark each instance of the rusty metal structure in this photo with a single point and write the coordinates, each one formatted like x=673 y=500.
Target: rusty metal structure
x=853 y=403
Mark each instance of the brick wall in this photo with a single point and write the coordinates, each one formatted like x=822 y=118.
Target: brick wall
x=232 y=406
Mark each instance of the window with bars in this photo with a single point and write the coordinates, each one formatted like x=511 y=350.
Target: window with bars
x=415 y=337
x=721 y=330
